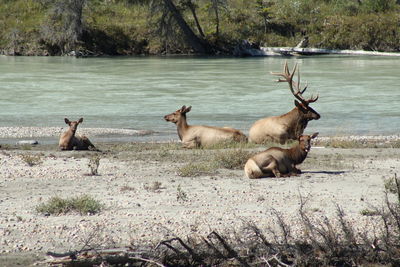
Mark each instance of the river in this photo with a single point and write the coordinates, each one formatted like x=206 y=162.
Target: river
x=358 y=95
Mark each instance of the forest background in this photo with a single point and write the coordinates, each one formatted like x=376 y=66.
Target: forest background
x=215 y=27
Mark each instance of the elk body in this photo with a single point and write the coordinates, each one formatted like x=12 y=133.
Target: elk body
x=201 y=136
x=70 y=141
x=290 y=125
x=279 y=162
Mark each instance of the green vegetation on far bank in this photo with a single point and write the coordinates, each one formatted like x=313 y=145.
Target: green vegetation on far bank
x=131 y=27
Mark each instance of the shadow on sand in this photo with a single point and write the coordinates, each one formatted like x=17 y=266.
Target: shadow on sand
x=326 y=172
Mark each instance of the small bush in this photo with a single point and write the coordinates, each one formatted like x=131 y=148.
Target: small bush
x=154 y=187
x=367 y=212
x=31 y=159
x=127 y=188
x=94 y=164
x=195 y=169
x=231 y=159
x=392 y=184
x=181 y=195
x=338 y=143
x=83 y=205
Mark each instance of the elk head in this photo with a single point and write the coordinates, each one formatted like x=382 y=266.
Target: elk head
x=176 y=116
x=73 y=125
x=303 y=105
x=305 y=141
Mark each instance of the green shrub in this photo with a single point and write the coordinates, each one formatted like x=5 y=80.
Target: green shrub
x=83 y=205
x=367 y=212
x=181 y=195
x=231 y=159
x=31 y=159
x=195 y=169
x=94 y=163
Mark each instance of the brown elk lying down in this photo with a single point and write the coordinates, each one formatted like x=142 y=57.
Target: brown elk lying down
x=290 y=125
x=279 y=162
x=70 y=141
x=202 y=136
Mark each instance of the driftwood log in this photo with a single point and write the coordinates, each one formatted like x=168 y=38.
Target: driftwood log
x=295 y=51
x=90 y=257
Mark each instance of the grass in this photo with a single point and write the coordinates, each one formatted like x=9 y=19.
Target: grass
x=127 y=188
x=84 y=205
x=154 y=187
x=94 y=163
x=338 y=142
x=390 y=185
x=368 y=212
x=195 y=169
x=31 y=159
x=231 y=159
x=181 y=195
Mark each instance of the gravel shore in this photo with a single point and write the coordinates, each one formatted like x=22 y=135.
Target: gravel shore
x=32 y=132
x=146 y=200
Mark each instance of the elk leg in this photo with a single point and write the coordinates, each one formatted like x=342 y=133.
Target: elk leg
x=192 y=143
x=271 y=167
x=87 y=142
x=294 y=171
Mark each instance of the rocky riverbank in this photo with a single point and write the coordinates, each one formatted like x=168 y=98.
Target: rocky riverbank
x=146 y=197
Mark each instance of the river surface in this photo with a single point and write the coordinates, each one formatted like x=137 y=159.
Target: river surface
x=358 y=95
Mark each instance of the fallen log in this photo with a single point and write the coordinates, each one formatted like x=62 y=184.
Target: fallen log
x=308 y=51
x=90 y=257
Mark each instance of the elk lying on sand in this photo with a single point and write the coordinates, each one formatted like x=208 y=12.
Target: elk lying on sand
x=279 y=162
x=201 y=136
x=70 y=141
x=290 y=125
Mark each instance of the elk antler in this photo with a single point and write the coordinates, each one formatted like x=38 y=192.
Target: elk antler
x=294 y=86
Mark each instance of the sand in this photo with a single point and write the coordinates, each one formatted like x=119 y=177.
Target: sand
x=146 y=200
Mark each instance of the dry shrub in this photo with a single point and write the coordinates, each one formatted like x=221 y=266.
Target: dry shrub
x=83 y=205
x=195 y=169
x=31 y=159
x=231 y=159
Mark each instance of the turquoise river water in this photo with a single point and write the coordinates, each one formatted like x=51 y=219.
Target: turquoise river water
x=357 y=95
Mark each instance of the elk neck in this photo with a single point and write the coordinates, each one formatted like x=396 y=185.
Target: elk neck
x=69 y=136
x=296 y=122
x=182 y=126
x=297 y=154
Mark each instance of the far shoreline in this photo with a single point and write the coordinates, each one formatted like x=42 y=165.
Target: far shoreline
x=21 y=136
x=240 y=52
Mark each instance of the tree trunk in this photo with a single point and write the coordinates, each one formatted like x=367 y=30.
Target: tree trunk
x=193 y=10
x=215 y=5
x=198 y=44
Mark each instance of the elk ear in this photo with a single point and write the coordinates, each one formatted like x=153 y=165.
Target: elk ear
x=300 y=106
x=80 y=120
x=66 y=120
x=314 y=135
x=188 y=109
x=182 y=109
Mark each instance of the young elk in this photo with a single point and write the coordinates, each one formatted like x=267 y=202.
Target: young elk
x=279 y=162
x=290 y=125
x=201 y=136
x=69 y=141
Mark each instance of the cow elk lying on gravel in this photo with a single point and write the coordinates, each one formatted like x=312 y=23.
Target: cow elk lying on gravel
x=279 y=162
x=290 y=125
x=193 y=136
x=70 y=141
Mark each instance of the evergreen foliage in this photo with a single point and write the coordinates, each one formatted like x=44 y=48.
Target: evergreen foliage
x=124 y=27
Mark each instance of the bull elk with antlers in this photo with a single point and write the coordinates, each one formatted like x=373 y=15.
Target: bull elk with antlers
x=290 y=125
x=193 y=136
x=70 y=141
x=279 y=162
